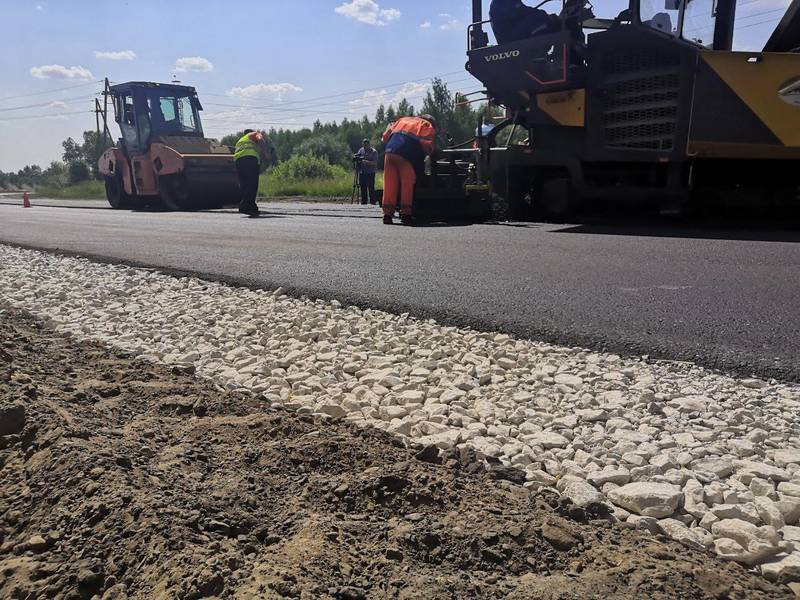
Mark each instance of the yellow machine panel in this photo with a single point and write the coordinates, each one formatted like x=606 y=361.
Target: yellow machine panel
x=565 y=108
x=746 y=105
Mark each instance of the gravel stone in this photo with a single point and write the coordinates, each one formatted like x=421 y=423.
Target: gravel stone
x=693 y=538
x=784 y=569
x=790 y=489
x=657 y=500
x=580 y=492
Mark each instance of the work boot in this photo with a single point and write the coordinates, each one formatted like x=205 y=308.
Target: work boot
x=406 y=220
x=250 y=211
x=387 y=220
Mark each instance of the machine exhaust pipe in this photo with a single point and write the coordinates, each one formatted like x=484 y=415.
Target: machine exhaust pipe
x=477 y=36
x=725 y=24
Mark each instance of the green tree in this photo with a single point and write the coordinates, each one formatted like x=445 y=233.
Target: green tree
x=328 y=147
x=304 y=166
x=73 y=152
x=94 y=145
x=336 y=141
x=439 y=104
x=404 y=109
x=78 y=171
x=56 y=174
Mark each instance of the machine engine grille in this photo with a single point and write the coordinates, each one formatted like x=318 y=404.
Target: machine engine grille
x=640 y=97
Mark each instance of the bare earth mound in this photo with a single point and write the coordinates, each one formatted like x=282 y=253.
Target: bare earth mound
x=119 y=479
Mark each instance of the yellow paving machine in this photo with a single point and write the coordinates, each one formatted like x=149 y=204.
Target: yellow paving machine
x=651 y=105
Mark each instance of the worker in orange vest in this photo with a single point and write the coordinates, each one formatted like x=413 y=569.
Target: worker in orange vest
x=407 y=142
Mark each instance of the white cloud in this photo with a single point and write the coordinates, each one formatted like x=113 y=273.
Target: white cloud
x=368 y=11
x=120 y=55
x=451 y=24
x=57 y=104
x=193 y=63
x=372 y=99
x=60 y=72
x=425 y=25
x=409 y=90
x=40 y=8
x=274 y=91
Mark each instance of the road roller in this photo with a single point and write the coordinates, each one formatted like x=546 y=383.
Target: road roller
x=163 y=158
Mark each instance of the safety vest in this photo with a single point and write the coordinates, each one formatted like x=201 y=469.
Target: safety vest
x=415 y=128
x=248 y=146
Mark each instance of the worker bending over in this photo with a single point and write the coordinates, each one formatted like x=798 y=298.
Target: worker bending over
x=407 y=142
x=251 y=150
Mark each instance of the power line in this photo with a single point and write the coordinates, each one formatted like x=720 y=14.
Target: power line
x=311 y=107
x=56 y=116
x=355 y=92
x=64 y=89
x=761 y=14
x=305 y=111
x=48 y=104
x=771 y=21
x=351 y=113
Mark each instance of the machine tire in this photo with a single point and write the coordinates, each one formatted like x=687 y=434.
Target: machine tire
x=557 y=202
x=116 y=195
x=174 y=193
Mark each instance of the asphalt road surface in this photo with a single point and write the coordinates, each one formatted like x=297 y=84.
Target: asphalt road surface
x=728 y=299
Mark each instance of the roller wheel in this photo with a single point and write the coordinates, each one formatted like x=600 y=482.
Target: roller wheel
x=116 y=195
x=175 y=193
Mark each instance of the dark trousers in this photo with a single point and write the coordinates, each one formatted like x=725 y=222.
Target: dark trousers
x=248 y=170
x=367 y=183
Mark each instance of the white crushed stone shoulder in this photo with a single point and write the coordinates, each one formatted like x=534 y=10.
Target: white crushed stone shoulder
x=715 y=457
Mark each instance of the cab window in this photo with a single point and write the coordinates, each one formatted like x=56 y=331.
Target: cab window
x=186 y=114
x=661 y=15
x=168 y=108
x=699 y=19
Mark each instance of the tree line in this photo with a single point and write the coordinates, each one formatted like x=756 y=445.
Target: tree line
x=333 y=142
x=336 y=142
x=79 y=163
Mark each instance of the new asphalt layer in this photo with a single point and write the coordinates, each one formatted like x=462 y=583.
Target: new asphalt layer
x=728 y=299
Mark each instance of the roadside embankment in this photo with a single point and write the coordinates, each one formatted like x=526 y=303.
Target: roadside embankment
x=709 y=460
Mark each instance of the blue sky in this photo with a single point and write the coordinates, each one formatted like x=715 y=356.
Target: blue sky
x=283 y=59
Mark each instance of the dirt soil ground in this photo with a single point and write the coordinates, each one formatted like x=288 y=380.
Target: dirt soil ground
x=124 y=480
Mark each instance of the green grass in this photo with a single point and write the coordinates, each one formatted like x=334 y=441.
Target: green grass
x=337 y=187
x=86 y=190
x=270 y=187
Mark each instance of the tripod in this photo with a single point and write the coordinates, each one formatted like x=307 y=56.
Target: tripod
x=356 y=195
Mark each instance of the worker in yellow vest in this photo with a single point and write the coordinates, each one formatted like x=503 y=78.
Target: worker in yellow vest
x=251 y=150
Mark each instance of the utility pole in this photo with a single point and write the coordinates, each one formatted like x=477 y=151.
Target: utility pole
x=103 y=111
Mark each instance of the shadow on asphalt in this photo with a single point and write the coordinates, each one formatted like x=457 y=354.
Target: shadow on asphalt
x=441 y=224
x=695 y=232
